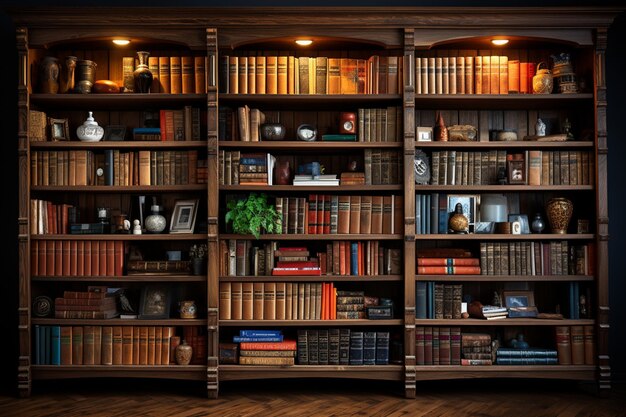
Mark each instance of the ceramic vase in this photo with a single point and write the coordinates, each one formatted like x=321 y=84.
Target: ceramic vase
x=49 y=75
x=188 y=309
x=66 y=78
x=183 y=353
x=85 y=76
x=538 y=224
x=142 y=74
x=542 y=80
x=559 y=211
x=90 y=131
x=155 y=223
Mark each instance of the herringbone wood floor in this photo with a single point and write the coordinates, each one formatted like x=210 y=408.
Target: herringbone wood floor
x=480 y=398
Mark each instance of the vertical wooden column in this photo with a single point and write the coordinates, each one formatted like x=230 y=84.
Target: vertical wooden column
x=602 y=217
x=212 y=215
x=23 y=371
x=408 y=105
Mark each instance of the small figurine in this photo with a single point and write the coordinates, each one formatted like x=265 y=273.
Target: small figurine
x=540 y=128
x=441 y=132
x=567 y=129
x=136 y=227
x=582 y=306
x=497 y=300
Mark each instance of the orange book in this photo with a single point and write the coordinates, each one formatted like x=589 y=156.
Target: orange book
x=349 y=76
x=136 y=338
x=73 y=261
x=187 y=74
x=102 y=258
x=448 y=270
x=164 y=75
x=233 y=75
x=87 y=256
x=107 y=345
x=65 y=263
x=176 y=80
x=284 y=345
x=225 y=301
x=110 y=257
x=504 y=74
x=54 y=252
x=199 y=70
x=143 y=345
x=334 y=76
x=242 y=74
x=514 y=76
x=494 y=75
x=271 y=75
x=117 y=345
x=153 y=66
x=260 y=75
x=281 y=74
x=333 y=299
x=523 y=78
x=252 y=75
x=127 y=345
x=77 y=345
x=158 y=348
x=578 y=345
x=486 y=74
x=151 y=345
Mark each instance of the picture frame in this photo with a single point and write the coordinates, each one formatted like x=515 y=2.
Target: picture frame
x=114 y=133
x=155 y=302
x=424 y=134
x=184 y=216
x=520 y=303
x=523 y=221
x=59 y=129
x=516 y=172
x=469 y=203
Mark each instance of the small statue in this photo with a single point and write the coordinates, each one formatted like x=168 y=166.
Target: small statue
x=502 y=176
x=125 y=304
x=540 y=128
x=441 y=132
x=567 y=129
x=497 y=300
x=136 y=227
x=582 y=306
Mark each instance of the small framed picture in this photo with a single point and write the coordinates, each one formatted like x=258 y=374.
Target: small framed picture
x=520 y=303
x=155 y=302
x=59 y=129
x=469 y=203
x=517 y=172
x=184 y=216
x=522 y=219
x=424 y=134
x=114 y=132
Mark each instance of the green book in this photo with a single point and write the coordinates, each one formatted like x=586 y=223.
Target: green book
x=339 y=138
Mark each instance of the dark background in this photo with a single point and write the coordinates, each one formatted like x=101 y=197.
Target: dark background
x=615 y=73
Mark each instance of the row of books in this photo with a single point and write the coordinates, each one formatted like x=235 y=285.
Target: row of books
x=360 y=258
x=482 y=74
x=91 y=304
x=448 y=266
x=575 y=345
x=437 y=345
x=310 y=75
x=438 y=301
x=531 y=356
x=341 y=214
x=113 y=167
x=536 y=258
x=170 y=74
x=466 y=168
x=290 y=301
x=77 y=258
x=342 y=347
x=258 y=349
x=105 y=345
x=49 y=218
x=558 y=167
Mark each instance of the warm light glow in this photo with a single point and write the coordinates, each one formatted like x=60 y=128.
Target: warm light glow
x=499 y=42
x=304 y=42
x=121 y=42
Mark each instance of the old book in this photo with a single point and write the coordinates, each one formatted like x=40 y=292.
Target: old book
x=164 y=75
x=199 y=71
x=271 y=75
x=242 y=74
x=128 y=66
x=260 y=75
x=563 y=345
x=578 y=345
x=187 y=74
x=225 y=301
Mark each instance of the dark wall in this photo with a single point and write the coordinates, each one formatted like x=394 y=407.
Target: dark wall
x=615 y=61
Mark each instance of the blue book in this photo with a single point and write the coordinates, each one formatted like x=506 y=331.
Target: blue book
x=354 y=258
x=421 y=306
x=259 y=333
x=240 y=339
x=55 y=344
x=46 y=345
x=430 y=298
x=37 y=344
x=152 y=130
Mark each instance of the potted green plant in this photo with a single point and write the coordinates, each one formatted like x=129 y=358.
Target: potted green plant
x=253 y=215
x=197 y=256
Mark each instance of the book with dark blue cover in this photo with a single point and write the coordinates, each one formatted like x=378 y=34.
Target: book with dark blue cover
x=257 y=333
x=356 y=348
x=354 y=258
x=240 y=339
x=421 y=306
x=313 y=342
x=344 y=346
x=46 y=344
x=55 y=344
x=369 y=348
x=322 y=346
x=38 y=345
x=382 y=348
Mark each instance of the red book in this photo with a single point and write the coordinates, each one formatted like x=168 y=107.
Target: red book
x=312 y=229
x=448 y=261
x=297 y=271
x=284 y=345
x=448 y=270
x=297 y=264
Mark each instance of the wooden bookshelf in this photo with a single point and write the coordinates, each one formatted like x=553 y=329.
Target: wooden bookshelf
x=405 y=32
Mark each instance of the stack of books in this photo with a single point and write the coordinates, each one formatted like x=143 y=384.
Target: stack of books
x=323 y=179
x=477 y=349
x=265 y=347
x=479 y=311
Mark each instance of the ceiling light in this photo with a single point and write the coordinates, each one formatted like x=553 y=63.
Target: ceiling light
x=121 y=42
x=499 y=42
x=304 y=42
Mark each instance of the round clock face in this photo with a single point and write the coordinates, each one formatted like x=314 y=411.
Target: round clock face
x=348 y=125
x=307 y=133
x=99 y=172
x=421 y=167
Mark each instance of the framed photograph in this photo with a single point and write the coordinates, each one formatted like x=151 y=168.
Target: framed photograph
x=469 y=203
x=155 y=302
x=184 y=216
x=424 y=134
x=517 y=172
x=519 y=303
x=114 y=132
x=523 y=221
x=59 y=129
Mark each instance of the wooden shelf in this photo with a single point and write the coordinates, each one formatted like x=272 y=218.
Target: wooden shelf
x=374 y=372
x=520 y=144
x=310 y=278
x=326 y=188
x=504 y=278
x=138 y=238
x=315 y=237
x=490 y=236
x=120 y=188
x=123 y=278
x=502 y=322
x=502 y=188
x=120 y=101
x=437 y=372
x=119 y=322
x=187 y=372
x=309 y=101
x=127 y=144
x=293 y=145
x=316 y=323
x=501 y=101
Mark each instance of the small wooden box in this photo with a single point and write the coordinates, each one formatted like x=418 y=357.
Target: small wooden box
x=229 y=353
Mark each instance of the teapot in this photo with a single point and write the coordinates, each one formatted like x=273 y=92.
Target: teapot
x=542 y=80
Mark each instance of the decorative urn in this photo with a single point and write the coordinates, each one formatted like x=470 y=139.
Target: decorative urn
x=89 y=131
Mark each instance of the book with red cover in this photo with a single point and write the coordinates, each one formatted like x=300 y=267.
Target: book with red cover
x=448 y=270
x=448 y=261
x=284 y=345
x=297 y=271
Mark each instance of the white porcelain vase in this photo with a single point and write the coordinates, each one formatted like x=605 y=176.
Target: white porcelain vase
x=89 y=131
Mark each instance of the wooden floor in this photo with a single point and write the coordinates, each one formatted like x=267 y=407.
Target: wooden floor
x=481 y=398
